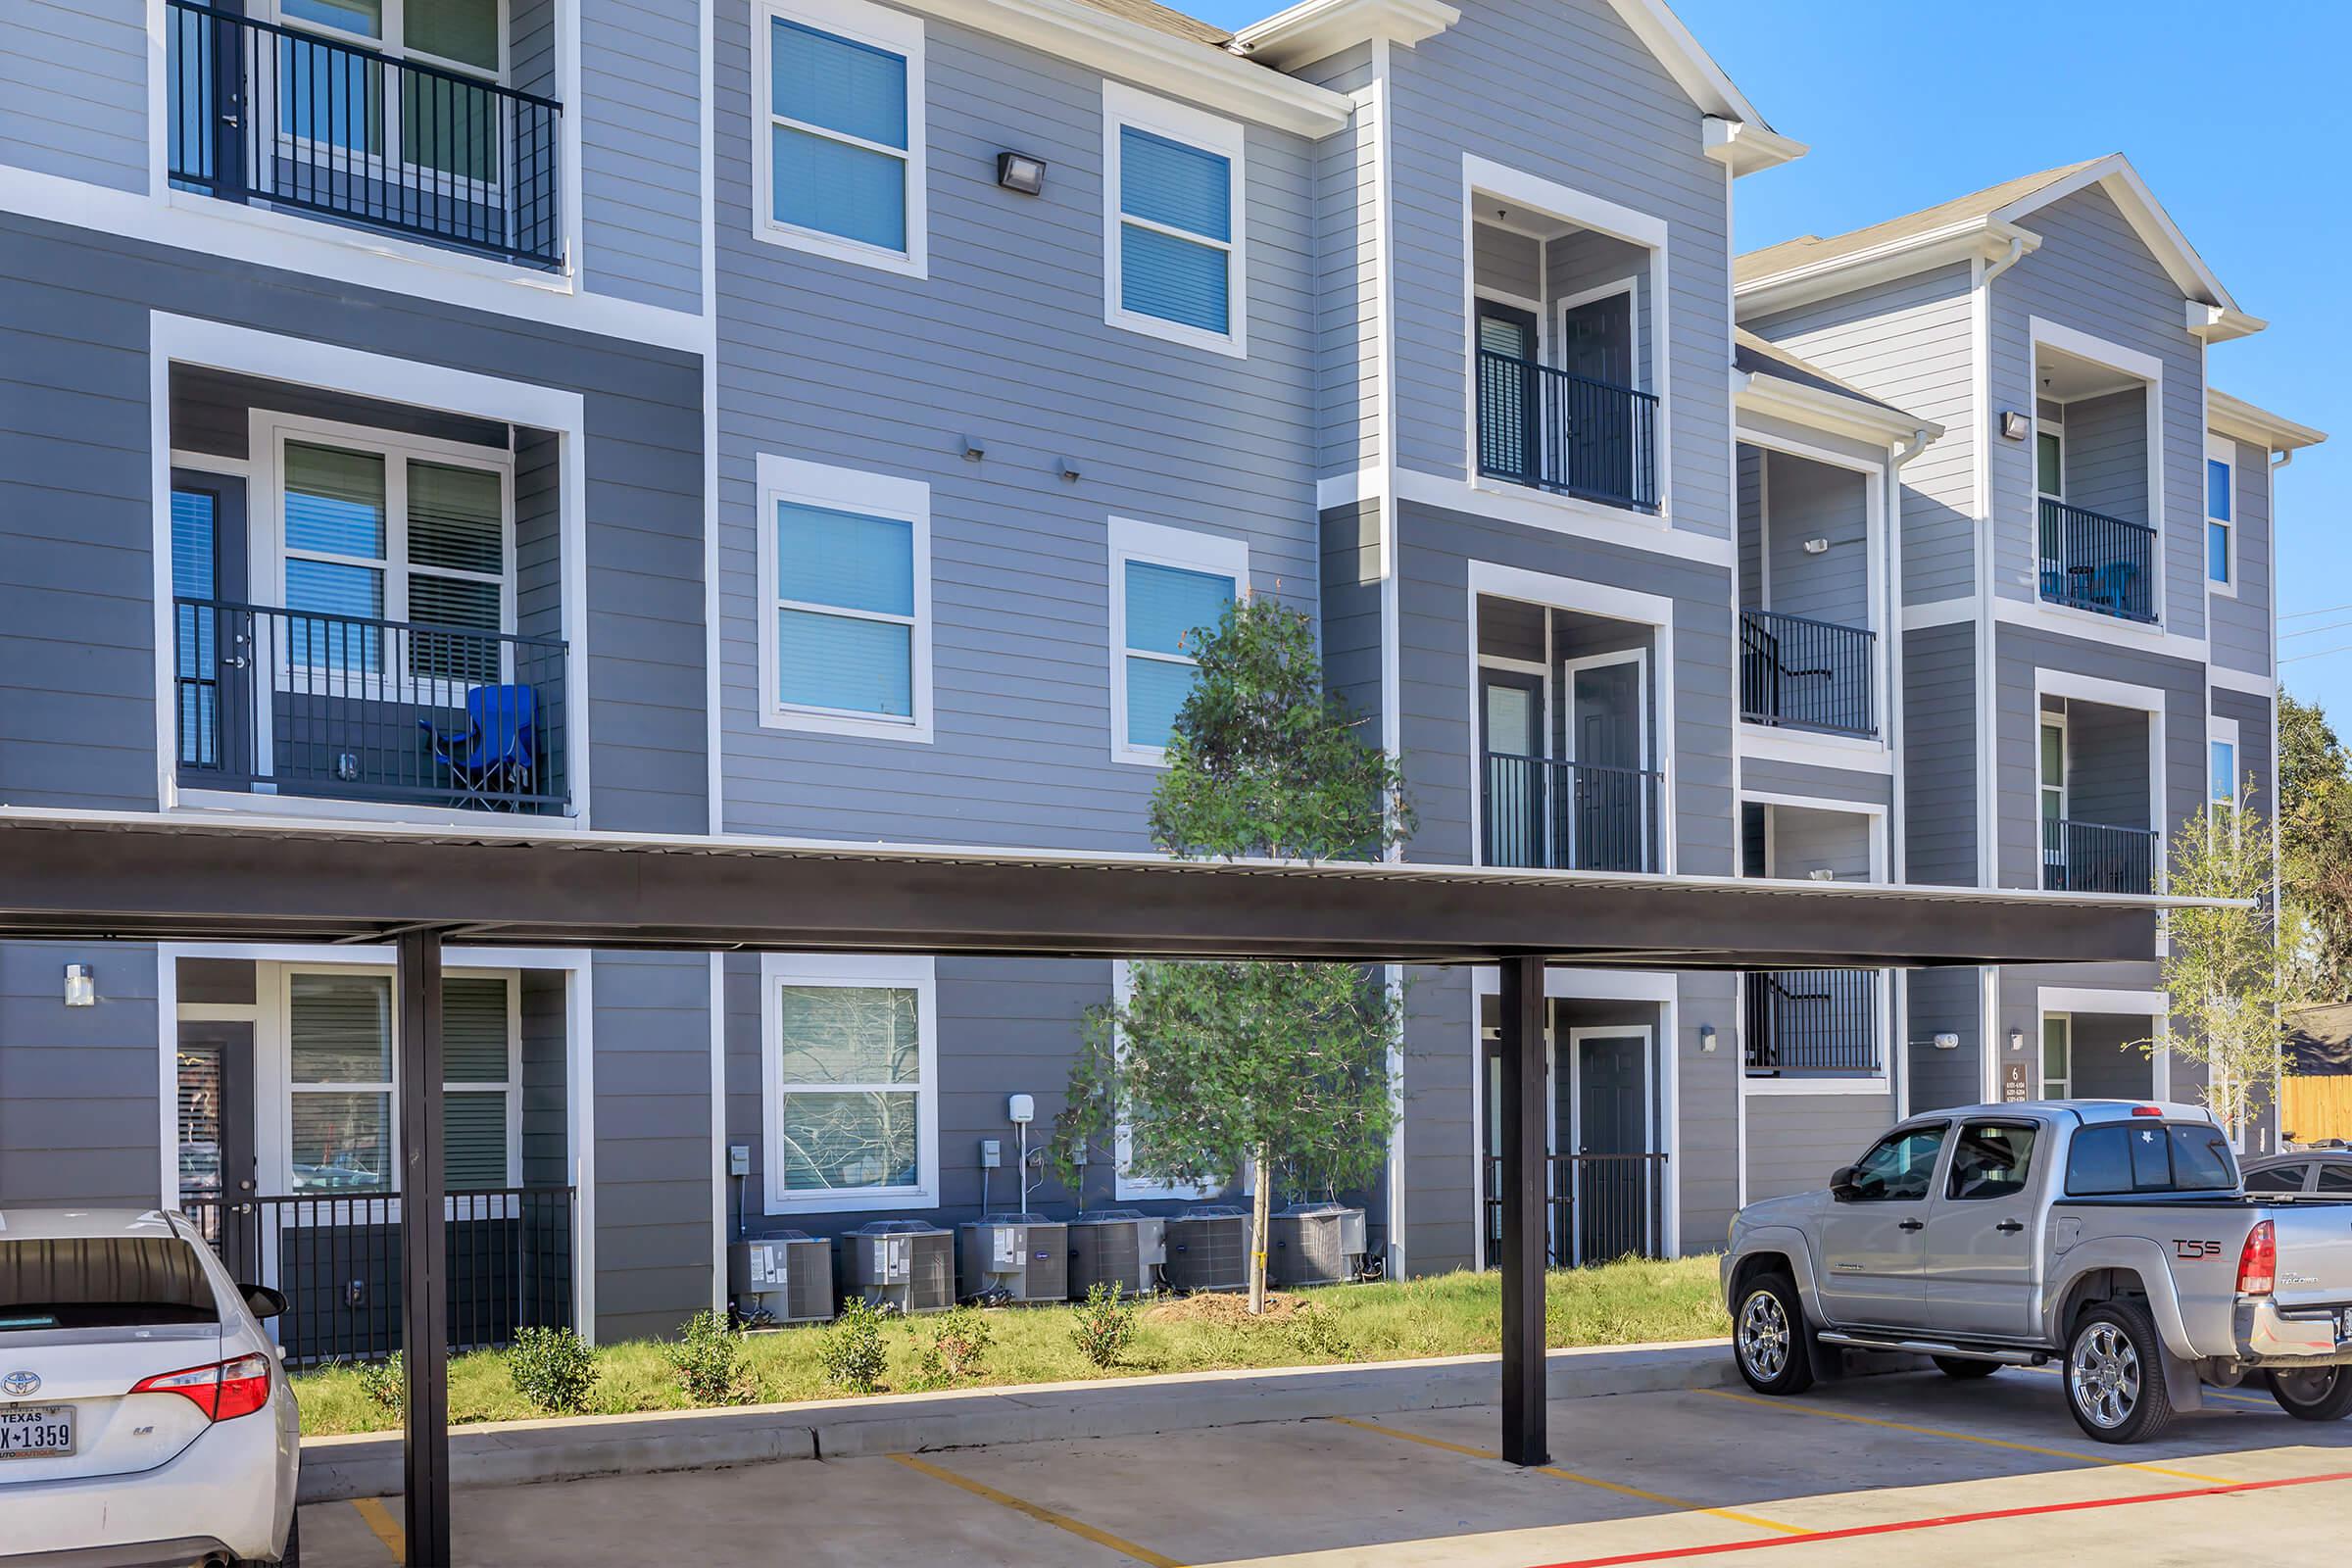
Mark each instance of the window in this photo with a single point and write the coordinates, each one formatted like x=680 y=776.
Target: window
x=2220 y=545
x=852 y=1113
x=2220 y=750
x=1899 y=1167
x=1173 y=260
x=1165 y=585
x=845 y=623
x=1991 y=1159
x=2276 y=1179
x=1125 y=1187
x=2052 y=773
x=329 y=98
x=839 y=160
x=2057 y=1056
x=2149 y=1157
x=2334 y=1178
x=2049 y=459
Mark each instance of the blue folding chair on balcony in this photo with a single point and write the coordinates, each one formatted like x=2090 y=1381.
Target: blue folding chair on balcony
x=2111 y=586
x=493 y=760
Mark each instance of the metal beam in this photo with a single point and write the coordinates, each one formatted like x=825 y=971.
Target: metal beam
x=1520 y=1108
x=425 y=1259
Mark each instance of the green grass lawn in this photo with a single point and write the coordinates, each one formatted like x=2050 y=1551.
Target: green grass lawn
x=1447 y=1314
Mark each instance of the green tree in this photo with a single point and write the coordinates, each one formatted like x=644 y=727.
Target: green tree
x=2224 y=963
x=2315 y=851
x=1280 y=1065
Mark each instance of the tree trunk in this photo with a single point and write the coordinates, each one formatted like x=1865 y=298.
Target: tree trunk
x=1258 y=1208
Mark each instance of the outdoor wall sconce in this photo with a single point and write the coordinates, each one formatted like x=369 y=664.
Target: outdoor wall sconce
x=1706 y=1037
x=2017 y=1040
x=2015 y=426
x=1018 y=172
x=1948 y=1041
x=81 y=986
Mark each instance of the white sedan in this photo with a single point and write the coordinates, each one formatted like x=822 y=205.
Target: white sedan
x=144 y=1418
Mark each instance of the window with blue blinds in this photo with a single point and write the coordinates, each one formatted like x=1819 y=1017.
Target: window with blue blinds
x=1165 y=609
x=2216 y=520
x=845 y=612
x=838 y=143
x=1175 y=231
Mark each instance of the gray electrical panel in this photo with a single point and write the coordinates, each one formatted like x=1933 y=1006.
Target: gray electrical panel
x=1122 y=1247
x=1314 y=1243
x=783 y=1278
x=1208 y=1249
x=1019 y=1257
x=904 y=1264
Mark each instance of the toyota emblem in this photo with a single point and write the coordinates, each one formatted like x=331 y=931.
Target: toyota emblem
x=20 y=1383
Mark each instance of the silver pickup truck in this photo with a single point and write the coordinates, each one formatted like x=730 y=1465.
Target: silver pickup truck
x=2110 y=1236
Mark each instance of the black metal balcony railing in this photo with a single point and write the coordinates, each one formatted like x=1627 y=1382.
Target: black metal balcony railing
x=336 y=1257
x=259 y=112
x=1566 y=434
x=1568 y=816
x=2093 y=562
x=1597 y=1208
x=347 y=708
x=2094 y=857
x=1819 y=1024
x=1801 y=673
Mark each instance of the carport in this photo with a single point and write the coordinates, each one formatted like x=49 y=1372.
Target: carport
x=138 y=877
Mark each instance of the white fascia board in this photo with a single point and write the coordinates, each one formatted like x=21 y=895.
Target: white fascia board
x=2237 y=418
x=1197 y=73
x=2155 y=227
x=1755 y=392
x=1744 y=148
x=1693 y=69
x=1317 y=29
x=1985 y=237
x=2218 y=323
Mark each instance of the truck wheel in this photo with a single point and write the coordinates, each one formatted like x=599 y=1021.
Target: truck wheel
x=1963 y=1368
x=2114 y=1374
x=2313 y=1394
x=1769 y=1336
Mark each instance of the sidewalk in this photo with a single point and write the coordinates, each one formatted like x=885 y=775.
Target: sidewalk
x=516 y=1452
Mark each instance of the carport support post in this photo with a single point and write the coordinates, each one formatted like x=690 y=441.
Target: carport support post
x=424 y=1254
x=1524 y=1168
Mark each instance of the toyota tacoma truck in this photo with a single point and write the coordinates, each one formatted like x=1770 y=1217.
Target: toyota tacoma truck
x=2110 y=1236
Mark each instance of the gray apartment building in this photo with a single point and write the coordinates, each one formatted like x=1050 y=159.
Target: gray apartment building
x=822 y=418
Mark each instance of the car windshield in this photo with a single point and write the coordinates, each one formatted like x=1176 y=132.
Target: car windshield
x=102 y=1282
x=2149 y=1156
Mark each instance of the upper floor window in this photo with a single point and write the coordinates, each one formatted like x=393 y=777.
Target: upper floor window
x=840 y=158
x=845 y=632
x=2221 y=516
x=1166 y=584
x=1172 y=222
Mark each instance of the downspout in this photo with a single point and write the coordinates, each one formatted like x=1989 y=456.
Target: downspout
x=1898 y=823
x=1988 y=1001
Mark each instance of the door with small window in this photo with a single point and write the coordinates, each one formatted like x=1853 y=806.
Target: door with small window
x=1510 y=403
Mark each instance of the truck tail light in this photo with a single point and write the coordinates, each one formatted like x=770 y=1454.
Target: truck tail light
x=222 y=1390
x=2258 y=1264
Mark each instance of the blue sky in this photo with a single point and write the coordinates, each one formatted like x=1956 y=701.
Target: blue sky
x=1907 y=105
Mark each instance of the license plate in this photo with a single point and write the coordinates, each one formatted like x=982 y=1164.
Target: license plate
x=2343 y=1325
x=29 y=1431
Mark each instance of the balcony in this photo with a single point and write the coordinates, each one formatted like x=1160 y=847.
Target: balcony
x=1568 y=816
x=2095 y=858
x=1801 y=673
x=1811 y=1023
x=2093 y=562
x=1568 y=434
x=272 y=115
x=304 y=702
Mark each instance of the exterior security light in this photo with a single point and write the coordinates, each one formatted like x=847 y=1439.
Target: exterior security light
x=1018 y=172
x=2015 y=426
x=2017 y=1040
x=1948 y=1042
x=81 y=986
x=1706 y=1037
x=1817 y=546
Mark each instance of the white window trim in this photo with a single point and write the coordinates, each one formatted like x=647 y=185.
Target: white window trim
x=1127 y=1189
x=2222 y=450
x=2042 y=427
x=2044 y=719
x=1158 y=545
x=2066 y=1027
x=874 y=495
x=917 y=974
x=892 y=30
x=2220 y=731
x=2148 y=370
x=1630 y=287
x=1124 y=106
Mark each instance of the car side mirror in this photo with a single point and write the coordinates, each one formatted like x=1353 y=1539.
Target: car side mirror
x=264 y=1302
x=1841 y=1184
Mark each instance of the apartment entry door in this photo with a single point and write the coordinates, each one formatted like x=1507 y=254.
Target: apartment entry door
x=1516 y=780
x=1510 y=396
x=1608 y=785
x=218 y=1171
x=1597 y=348
x=1610 y=1136
x=212 y=634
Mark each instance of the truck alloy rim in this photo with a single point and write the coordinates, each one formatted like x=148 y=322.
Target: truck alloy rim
x=1764 y=1334
x=2103 y=1375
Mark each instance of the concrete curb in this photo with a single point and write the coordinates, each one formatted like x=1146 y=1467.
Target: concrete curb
x=508 y=1453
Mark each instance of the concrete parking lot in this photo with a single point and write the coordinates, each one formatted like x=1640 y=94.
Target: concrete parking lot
x=1911 y=1466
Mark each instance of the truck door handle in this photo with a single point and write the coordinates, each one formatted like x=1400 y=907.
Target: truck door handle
x=2010 y=1226
x=1911 y=1225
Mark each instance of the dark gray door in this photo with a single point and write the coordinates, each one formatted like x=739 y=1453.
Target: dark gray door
x=1610 y=802
x=218 y=1175
x=1510 y=414
x=1517 y=785
x=1597 y=349
x=1612 y=1135
x=212 y=631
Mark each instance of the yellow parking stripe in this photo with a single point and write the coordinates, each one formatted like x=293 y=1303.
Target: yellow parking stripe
x=1792 y=1408
x=1682 y=1504
x=378 y=1518
x=1044 y=1516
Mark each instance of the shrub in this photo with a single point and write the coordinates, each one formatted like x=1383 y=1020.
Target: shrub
x=953 y=1346
x=553 y=1368
x=852 y=1354
x=1104 y=1325
x=707 y=1357
x=385 y=1383
x=1317 y=1331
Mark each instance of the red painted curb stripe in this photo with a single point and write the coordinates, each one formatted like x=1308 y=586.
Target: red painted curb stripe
x=1940 y=1521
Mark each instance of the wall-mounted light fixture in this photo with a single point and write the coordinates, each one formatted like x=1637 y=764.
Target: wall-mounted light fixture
x=1817 y=546
x=2017 y=1040
x=1018 y=172
x=81 y=986
x=1948 y=1041
x=2015 y=426
x=1706 y=1037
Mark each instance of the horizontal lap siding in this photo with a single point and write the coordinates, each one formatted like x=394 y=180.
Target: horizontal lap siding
x=2094 y=273
x=80 y=1117
x=1909 y=342
x=1004 y=341
x=1443 y=1203
x=2241 y=624
x=641 y=150
x=1794 y=1140
x=1806 y=501
x=1946 y=1001
x=1940 y=754
x=1565 y=92
x=1829 y=785
x=1705 y=1164
x=2253 y=717
x=73 y=90
x=652 y=1122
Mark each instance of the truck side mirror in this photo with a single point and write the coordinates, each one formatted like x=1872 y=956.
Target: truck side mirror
x=1841 y=1184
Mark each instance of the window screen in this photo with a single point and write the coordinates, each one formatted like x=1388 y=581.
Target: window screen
x=845 y=612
